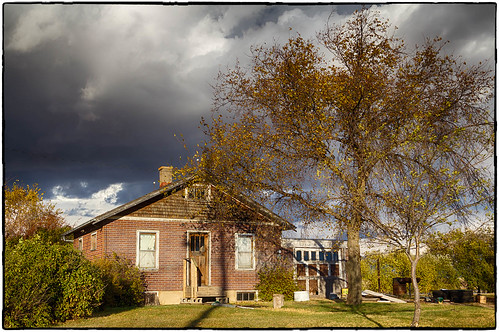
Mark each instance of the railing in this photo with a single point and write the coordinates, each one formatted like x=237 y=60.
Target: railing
x=190 y=278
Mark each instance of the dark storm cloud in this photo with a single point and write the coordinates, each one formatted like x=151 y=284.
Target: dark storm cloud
x=93 y=94
x=55 y=135
x=268 y=14
x=470 y=28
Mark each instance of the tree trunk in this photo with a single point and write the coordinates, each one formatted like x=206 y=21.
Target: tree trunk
x=417 y=303
x=354 y=277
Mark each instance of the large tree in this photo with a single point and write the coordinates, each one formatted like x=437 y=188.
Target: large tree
x=312 y=134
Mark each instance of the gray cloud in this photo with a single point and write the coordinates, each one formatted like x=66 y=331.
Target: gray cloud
x=470 y=28
x=93 y=94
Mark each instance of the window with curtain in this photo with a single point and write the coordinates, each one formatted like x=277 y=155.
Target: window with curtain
x=245 y=252
x=147 y=250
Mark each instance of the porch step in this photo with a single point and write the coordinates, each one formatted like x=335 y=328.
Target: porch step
x=210 y=291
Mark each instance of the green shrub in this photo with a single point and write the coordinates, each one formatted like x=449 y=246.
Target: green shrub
x=124 y=282
x=276 y=280
x=46 y=283
x=82 y=289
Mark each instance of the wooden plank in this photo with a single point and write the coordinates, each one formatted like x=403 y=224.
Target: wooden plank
x=194 y=279
x=383 y=296
x=184 y=277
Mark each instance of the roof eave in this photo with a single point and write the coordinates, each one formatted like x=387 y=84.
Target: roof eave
x=168 y=188
x=129 y=205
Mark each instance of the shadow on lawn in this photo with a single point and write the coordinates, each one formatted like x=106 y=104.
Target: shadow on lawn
x=205 y=314
x=364 y=310
x=108 y=311
x=363 y=314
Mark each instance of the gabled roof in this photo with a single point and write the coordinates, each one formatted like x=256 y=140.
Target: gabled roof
x=173 y=187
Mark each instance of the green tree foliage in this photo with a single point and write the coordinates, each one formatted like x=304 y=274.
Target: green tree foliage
x=472 y=253
x=45 y=283
x=391 y=266
x=123 y=280
x=435 y=271
x=26 y=213
x=276 y=279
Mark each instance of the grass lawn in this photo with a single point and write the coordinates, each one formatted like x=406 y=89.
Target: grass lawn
x=315 y=313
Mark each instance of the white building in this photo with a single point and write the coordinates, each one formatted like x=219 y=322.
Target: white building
x=319 y=265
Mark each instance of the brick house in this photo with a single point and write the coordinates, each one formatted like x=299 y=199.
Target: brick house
x=192 y=240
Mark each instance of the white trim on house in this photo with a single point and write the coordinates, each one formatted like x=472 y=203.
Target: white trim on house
x=192 y=191
x=130 y=218
x=93 y=241
x=253 y=265
x=137 y=253
x=160 y=219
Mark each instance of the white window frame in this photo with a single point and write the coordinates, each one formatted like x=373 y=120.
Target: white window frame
x=195 y=186
x=80 y=243
x=137 y=254
x=255 y=292
x=92 y=241
x=252 y=251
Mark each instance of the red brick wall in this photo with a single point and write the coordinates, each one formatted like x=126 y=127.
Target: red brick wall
x=92 y=254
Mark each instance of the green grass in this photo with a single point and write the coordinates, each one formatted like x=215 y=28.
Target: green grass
x=317 y=313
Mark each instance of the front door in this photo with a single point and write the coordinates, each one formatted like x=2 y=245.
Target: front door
x=198 y=252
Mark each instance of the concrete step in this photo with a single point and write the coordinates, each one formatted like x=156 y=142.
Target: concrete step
x=210 y=291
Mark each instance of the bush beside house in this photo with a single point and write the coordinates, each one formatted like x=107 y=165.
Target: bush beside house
x=46 y=282
x=124 y=283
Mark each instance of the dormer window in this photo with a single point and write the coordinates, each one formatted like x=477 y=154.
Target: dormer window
x=198 y=192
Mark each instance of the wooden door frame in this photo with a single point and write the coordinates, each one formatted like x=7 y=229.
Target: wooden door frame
x=188 y=245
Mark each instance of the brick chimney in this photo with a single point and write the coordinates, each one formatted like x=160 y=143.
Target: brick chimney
x=165 y=175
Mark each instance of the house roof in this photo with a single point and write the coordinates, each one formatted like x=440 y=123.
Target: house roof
x=172 y=187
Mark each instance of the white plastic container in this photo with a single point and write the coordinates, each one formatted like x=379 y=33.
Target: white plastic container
x=302 y=296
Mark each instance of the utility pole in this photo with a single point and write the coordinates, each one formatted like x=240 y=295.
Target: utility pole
x=379 y=278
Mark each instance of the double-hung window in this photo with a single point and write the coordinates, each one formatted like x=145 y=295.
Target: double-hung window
x=147 y=249
x=93 y=241
x=245 y=252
